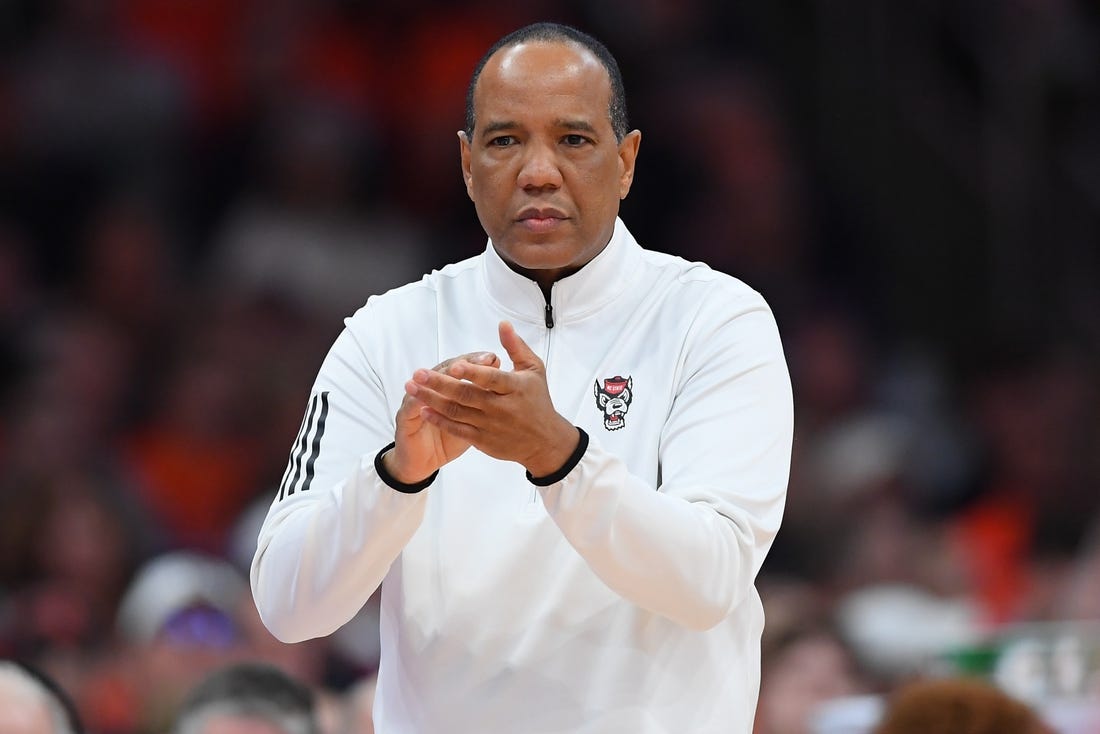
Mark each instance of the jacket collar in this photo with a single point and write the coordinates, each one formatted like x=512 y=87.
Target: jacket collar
x=591 y=288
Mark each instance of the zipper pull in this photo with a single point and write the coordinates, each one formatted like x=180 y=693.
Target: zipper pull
x=549 y=316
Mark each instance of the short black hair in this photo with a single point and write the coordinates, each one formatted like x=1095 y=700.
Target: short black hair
x=550 y=33
x=251 y=689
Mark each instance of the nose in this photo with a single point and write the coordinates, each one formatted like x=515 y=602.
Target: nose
x=539 y=169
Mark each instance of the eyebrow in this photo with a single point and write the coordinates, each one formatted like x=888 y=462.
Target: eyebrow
x=575 y=125
x=495 y=127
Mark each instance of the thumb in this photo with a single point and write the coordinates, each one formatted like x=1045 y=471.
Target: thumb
x=521 y=355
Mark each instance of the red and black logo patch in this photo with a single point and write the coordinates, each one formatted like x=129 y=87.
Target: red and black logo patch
x=614 y=400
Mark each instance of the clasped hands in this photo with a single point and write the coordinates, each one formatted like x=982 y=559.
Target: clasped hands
x=470 y=401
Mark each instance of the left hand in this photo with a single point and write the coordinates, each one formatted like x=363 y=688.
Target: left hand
x=507 y=415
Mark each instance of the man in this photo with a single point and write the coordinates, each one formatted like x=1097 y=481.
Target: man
x=568 y=545
x=31 y=703
x=248 y=698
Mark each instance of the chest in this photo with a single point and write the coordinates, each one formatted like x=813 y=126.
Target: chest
x=615 y=378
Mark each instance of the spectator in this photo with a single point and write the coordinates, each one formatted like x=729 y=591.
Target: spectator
x=248 y=698
x=808 y=666
x=179 y=621
x=957 y=706
x=31 y=703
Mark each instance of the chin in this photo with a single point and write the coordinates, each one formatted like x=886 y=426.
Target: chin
x=535 y=255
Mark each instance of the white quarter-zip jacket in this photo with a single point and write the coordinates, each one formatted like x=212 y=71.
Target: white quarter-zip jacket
x=617 y=600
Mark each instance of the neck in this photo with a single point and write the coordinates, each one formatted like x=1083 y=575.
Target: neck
x=544 y=278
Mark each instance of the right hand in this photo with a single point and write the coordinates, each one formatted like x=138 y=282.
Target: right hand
x=420 y=447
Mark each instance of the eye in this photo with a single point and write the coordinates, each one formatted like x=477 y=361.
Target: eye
x=502 y=141
x=575 y=140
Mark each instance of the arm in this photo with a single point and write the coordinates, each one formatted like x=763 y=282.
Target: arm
x=345 y=511
x=691 y=550
x=335 y=526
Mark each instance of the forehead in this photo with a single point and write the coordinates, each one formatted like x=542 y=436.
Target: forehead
x=561 y=78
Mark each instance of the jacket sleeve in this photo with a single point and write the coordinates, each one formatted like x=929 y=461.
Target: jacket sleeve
x=691 y=550
x=335 y=527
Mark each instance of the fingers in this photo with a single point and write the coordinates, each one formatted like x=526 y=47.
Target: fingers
x=522 y=356
x=409 y=419
x=487 y=378
x=480 y=358
x=457 y=389
x=455 y=399
x=456 y=428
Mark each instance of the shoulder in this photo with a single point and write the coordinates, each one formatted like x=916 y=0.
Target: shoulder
x=397 y=330
x=412 y=301
x=697 y=286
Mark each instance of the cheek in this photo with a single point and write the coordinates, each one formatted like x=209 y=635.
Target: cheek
x=491 y=183
x=604 y=184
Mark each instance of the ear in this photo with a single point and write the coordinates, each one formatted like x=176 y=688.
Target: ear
x=464 y=154
x=628 y=153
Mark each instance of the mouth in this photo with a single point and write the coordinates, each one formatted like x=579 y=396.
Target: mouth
x=541 y=220
x=544 y=212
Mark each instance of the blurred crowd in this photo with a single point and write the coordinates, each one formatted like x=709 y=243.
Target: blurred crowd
x=194 y=193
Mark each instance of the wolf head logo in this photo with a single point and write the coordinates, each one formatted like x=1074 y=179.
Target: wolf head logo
x=614 y=400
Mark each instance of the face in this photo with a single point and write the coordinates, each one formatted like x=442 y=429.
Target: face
x=543 y=167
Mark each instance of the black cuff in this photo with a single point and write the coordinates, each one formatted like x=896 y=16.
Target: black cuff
x=568 y=466
x=386 y=477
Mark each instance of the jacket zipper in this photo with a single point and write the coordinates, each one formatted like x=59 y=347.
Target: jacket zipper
x=548 y=314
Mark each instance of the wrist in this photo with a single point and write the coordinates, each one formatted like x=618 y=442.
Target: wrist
x=554 y=451
x=391 y=472
x=399 y=472
x=560 y=467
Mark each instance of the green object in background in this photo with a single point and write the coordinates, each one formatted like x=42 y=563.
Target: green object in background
x=976 y=660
